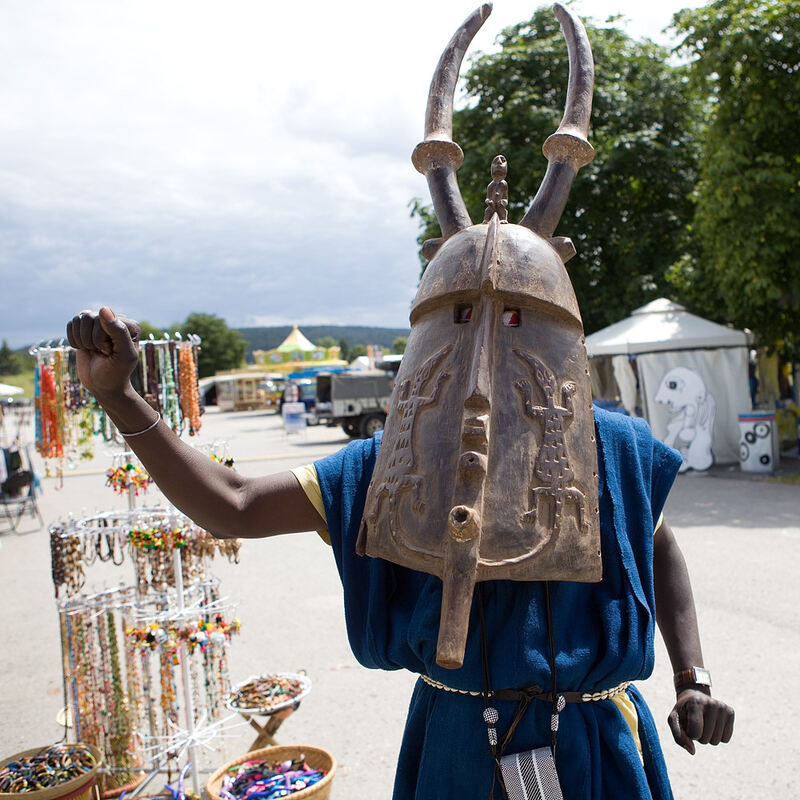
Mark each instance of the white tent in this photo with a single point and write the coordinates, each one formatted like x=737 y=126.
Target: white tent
x=360 y=363
x=686 y=375
x=7 y=390
x=662 y=325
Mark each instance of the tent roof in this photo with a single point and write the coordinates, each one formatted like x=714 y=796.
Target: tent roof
x=7 y=390
x=295 y=341
x=662 y=325
x=360 y=362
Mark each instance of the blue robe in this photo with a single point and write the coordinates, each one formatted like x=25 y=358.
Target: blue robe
x=603 y=634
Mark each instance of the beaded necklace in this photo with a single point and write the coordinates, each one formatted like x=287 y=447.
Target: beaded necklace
x=120 y=728
x=37 y=406
x=59 y=375
x=170 y=395
x=87 y=684
x=49 y=445
x=135 y=683
x=151 y=384
x=75 y=396
x=66 y=561
x=128 y=478
x=190 y=395
x=101 y=634
x=169 y=697
x=72 y=677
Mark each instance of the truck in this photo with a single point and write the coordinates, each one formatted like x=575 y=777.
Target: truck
x=358 y=401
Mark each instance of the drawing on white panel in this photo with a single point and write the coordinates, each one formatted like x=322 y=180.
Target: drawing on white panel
x=692 y=407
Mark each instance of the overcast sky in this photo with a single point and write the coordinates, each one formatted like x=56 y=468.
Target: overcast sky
x=249 y=159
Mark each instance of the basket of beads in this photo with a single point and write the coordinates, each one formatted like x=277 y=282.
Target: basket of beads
x=60 y=772
x=299 y=772
x=269 y=694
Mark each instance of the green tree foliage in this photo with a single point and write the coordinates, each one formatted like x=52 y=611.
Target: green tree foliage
x=10 y=362
x=629 y=208
x=148 y=328
x=356 y=351
x=344 y=350
x=326 y=342
x=744 y=266
x=221 y=348
x=399 y=345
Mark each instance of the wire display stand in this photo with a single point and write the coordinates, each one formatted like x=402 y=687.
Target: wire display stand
x=144 y=663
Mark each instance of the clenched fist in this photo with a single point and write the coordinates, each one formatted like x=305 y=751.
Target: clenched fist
x=699 y=717
x=107 y=348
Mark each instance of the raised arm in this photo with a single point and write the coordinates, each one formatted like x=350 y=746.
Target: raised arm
x=696 y=716
x=220 y=500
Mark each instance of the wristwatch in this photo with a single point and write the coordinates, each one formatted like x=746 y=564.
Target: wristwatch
x=694 y=676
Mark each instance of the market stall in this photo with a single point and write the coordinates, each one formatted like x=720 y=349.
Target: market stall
x=687 y=376
x=145 y=629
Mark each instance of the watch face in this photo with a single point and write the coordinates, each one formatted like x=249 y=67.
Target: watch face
x=702 y=676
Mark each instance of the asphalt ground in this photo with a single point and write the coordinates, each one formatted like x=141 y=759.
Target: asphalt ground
x=740 y=535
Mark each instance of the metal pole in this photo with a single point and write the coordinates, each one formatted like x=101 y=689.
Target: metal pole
x=187 y=686
x=128 y=456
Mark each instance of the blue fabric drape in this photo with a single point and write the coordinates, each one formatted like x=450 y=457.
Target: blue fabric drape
x=604 y=635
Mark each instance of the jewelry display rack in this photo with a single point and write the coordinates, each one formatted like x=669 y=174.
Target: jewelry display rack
x=144 y=664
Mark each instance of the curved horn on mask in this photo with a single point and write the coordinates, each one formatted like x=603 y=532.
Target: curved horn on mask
x=567 y=150
x=438 y=157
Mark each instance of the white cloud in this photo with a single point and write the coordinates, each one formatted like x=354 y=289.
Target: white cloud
x=249 y=159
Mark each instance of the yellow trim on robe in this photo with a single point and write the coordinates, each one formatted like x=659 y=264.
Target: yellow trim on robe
x=307 y=477
x=309 y=482
x=628 y=710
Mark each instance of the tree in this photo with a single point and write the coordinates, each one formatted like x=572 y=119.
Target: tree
x=356 y=351
x=221 y=348
x=344 y=350
x=629 y=208
x=326 y=342
x=399 y=345
x=148 y=328
x=744 y=267
x=10 y=363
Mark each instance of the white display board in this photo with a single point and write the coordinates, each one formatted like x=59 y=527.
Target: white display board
x=294 y=417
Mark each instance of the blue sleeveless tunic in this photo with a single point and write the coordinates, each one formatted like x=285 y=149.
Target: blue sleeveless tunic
x=603 y=635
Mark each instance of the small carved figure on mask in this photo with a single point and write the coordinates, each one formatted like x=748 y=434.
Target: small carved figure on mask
x=497 y=191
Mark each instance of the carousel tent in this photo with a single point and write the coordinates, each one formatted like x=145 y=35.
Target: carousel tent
x=296 y=341
x=296 y=354
x=686 y=375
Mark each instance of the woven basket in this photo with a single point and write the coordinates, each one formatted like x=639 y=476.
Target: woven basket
x=315 y=757
x=109 y=789
x=79 y=788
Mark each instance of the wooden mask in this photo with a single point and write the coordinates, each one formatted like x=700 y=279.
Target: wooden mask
x=488 y=467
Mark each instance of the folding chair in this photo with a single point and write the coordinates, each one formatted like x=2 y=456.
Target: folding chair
x=18 y=490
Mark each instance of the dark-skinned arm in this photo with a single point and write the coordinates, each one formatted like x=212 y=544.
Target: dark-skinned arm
x=217 y=498
x=696 y=716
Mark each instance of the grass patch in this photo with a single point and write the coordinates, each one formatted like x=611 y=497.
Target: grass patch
x=793 y=480
x=23 y=379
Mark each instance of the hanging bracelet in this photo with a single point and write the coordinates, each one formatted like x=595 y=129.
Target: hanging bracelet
x=148 y=428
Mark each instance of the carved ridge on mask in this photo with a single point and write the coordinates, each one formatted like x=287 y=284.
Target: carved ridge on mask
x=400 y=475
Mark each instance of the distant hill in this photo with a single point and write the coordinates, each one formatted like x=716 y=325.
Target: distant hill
x=270 y=338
